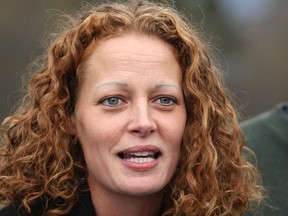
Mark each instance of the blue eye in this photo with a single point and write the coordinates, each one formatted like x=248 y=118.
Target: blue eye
x=112 y=101
x=166 y=101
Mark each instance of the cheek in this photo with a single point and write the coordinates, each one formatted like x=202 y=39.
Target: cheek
x=98 y=133
x=175 y=129
x=173 y=138
x=175 y=134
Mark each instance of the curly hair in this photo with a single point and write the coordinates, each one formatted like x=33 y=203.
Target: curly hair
x=41 y=160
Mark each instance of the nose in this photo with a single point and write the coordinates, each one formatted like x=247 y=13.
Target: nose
x=141 y=120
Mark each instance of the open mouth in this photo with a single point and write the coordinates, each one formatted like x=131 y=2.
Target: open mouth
x=140 y=156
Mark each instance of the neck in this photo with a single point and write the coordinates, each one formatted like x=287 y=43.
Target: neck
x=114 y=204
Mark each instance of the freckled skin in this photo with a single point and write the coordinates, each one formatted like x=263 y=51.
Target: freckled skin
x=131 y=96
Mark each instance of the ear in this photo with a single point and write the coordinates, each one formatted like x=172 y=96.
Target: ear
x=71 y=127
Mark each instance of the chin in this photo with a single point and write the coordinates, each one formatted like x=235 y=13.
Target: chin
x=144 y=189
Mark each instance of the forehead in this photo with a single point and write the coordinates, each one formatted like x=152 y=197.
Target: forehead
x=131 y=55
x=135 y=44
x=138 y=49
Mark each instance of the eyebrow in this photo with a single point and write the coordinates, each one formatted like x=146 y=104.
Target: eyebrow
x=113 y=83
x=158 y=86
x=166 y=85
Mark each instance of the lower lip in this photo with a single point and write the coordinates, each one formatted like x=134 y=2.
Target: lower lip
x=140 y=166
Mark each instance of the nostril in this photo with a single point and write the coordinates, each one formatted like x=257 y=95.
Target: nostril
x=143 y=132
x=142 y=122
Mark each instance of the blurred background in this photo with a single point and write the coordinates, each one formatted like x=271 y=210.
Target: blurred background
x=249 y=39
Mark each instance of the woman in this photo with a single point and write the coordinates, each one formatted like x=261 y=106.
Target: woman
x=126 y=116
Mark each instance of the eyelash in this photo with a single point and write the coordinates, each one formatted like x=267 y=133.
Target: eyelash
x=172 y=100
x=112 y=97
x=158 y=99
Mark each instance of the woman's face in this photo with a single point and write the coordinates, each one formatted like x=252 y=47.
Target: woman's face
x=130 y=115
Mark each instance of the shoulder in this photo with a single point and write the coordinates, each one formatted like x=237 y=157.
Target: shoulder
x=83 y=206
x=9 y=211
x=13 y=210
x=276 y=117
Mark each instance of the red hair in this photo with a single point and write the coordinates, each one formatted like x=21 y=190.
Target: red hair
x=40 y=159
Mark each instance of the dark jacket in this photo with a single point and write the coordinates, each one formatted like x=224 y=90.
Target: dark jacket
x=267 y=136
x=83 y=206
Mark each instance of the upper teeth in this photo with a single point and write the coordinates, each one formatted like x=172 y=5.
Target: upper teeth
x=140 y=160
x=141 y=154
x=139 y=157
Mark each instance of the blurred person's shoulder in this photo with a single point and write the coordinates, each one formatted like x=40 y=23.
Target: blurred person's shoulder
x=271 y=126
x=267 y=135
